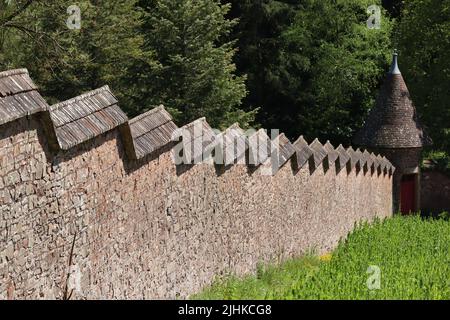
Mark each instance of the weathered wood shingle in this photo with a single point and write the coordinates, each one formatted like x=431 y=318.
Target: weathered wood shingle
x=391 y=169
x=259 y=148
x=361 y=157
x=151 y=131
x=355 y=159
x=285 y=150
x=18 y=96
x=231 y=146
x=393 y=122
x=82 y=118
x=368 y=159
x=320 y=153
x=332 y=153
x=381 y=163
x=303 y=152
x=344 y=157
x=387 y=165
x=198 y=141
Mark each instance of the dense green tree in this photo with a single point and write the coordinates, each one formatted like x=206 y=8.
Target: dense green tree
x=196 y=75
x=159 y=52
x=393 y=7
x=66 y=62
x=333 y=79
x=424 y=43
x=313 y=66
x=261 y=24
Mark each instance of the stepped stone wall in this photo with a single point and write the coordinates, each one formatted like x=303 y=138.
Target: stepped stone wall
x=93 y=203
x=435 y=191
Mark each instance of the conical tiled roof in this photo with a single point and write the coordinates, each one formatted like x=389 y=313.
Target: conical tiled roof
x=393 y=122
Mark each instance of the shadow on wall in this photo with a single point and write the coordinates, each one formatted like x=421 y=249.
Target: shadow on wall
x=435 y=192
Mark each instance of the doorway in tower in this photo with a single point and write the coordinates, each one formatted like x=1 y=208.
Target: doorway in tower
x=408 y=194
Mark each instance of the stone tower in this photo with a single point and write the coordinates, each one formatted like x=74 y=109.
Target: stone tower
x=394 y=130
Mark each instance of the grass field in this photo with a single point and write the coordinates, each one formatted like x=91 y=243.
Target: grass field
x=411 y=256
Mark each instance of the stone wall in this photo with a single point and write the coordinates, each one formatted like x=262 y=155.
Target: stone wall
x=85 y=210
x=147 y=229
x=435 y=192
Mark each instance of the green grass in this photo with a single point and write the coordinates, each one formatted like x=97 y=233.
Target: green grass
x=413 y=255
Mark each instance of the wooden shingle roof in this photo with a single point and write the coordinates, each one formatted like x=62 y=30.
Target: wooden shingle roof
x=393 y=122
x=332 y=153
x=387 y=164
x=355 y=159
x=362 y=158
x=344 y=157
x=198 y=140
x=285 y=150
x=369 y=159
x=84 y=117
x=18 y=96
x=303 y=151
x=151 y=131
x=260 y=147
x=320 y=153
x=232 y=146
x=381 y=162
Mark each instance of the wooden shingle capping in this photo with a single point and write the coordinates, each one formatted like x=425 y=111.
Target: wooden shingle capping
x=15 y=81
x=382 y=163
x=151 y=131
x=388 y=165
x=369 y=160
x=284 y=151
x=354 y=157
x=191 y=130
x=376 y=161
x=241 y=143
x=332 y=153
x=362 y=158
x=391 y=169
x=319 y=152
x=259 y=148
x=198 y=141
x=18 y=96
x=344 y=157
x=303 y=152
x=84 y=117
x=231 y=146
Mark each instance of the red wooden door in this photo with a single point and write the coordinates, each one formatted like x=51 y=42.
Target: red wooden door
x=408 y=194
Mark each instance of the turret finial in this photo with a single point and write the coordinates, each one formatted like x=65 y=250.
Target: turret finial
x=394 y=66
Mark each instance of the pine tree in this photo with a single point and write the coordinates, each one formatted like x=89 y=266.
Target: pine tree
x=313 y=65
x=259 y=32
x=195 y=75
x=66 y=62
x=331 y=66
x=424 y=44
